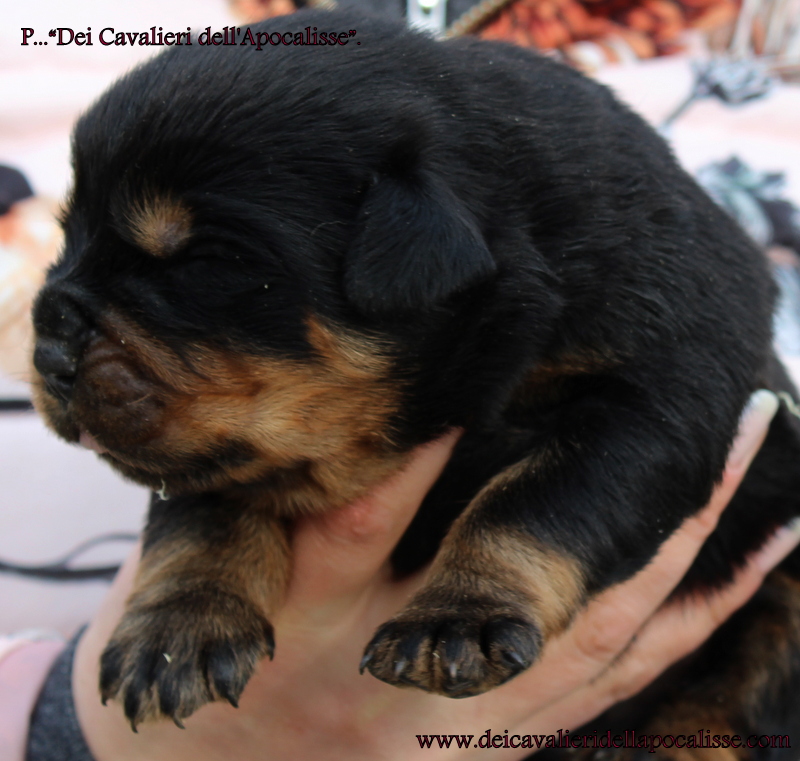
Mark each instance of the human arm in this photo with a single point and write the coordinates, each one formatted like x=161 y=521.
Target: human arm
x=310 y=701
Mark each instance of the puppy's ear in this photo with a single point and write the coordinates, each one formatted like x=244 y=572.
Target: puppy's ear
x=416 y=245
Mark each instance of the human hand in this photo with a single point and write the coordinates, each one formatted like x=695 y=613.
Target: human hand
x=311 y=703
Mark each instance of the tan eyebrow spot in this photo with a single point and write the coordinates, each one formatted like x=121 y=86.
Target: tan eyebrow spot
x=160 y=225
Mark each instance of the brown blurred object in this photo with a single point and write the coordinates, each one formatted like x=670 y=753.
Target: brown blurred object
x=29 y=241
x=590 y=33
x=593 y=32
x=251 y=11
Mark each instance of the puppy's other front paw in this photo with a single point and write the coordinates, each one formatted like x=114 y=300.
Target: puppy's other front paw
x=454 y=652
x=169 y=657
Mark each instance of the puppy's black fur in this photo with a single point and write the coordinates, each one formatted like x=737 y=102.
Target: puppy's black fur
x=285 y=269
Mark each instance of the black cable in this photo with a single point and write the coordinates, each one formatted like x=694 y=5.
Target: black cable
x=15 y=405
x=59 y=570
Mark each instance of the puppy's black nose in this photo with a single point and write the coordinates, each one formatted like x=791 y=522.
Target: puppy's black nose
x=57 y=366
x=62 y=331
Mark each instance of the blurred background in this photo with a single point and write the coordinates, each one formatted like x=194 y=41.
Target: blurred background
x=720 y=78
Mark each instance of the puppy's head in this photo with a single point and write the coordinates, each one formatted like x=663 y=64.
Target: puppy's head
x=252 y=245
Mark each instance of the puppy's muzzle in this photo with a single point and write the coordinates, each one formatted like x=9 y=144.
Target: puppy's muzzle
x=98 y=388
x=62 y=330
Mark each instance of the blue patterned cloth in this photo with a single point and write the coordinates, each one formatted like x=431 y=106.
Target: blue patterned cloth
x=754 y=200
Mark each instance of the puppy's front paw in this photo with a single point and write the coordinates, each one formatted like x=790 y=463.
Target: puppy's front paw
x=170 y=656
x=457 y=651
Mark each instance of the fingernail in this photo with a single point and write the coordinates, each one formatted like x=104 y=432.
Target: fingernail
x=753 y=423
x=777 y=548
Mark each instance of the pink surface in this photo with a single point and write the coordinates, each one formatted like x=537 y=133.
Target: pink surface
x=54 y=496
x=764 y=133
x=44 y=88
x=23 y=668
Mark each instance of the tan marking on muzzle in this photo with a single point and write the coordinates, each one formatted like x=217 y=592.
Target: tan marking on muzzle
x=324 y=422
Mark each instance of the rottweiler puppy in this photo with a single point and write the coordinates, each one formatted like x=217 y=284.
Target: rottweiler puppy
x=284 y=269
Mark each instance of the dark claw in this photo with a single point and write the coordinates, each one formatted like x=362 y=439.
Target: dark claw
x=365 y=661
x=515 y=641
x=160 y=668
x=515 y=659
x=110 y=670
x=222 y=671
x=132 y=707
x=269 y=636
x=225 y=691
x=399 y=666
x=167 y=698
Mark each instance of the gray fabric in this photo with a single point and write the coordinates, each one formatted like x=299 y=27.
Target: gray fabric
x=55 y=734
x=396 y=9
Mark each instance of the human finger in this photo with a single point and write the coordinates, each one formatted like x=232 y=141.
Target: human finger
x=614 y=616
x=609 y=622
x=674 y=632
x=340 y=553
